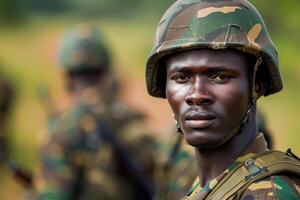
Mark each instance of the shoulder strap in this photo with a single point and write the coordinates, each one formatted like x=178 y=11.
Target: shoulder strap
x=253 y=169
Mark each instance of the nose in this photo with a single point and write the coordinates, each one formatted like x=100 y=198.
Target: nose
x=199 y=93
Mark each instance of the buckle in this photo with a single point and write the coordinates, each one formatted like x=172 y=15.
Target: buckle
x=253 y=169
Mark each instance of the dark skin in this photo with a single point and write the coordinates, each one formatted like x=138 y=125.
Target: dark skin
x=103 y=82
x=209 y=93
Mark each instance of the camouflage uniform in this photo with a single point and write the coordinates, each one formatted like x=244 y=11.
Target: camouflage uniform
x=219 y=25
x=82 y=158
x=276 y=187
x=179 y=171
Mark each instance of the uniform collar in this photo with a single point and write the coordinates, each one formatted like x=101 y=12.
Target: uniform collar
x=257 y=146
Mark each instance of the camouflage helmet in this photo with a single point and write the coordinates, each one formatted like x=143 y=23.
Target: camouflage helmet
x=213 y=24
x=83 y=49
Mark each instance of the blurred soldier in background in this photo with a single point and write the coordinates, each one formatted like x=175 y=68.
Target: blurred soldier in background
x=263 y=127
x=180 y=170
x=100 y=148
x=6 y=99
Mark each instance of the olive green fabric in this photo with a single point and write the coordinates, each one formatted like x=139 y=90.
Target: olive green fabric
x=252 y=176
x=267 y=164
x=179 y=170
x=77 y=160
x=270 y=175
x=218 y=25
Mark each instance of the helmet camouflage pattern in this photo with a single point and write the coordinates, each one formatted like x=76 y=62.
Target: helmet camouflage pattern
x=83 y=49
x=213 y=24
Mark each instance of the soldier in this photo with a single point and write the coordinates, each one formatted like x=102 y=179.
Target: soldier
x=213 y=60
x=94 y=150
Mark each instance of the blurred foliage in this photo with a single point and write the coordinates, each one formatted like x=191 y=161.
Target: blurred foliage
x=281 y=17
x=16 y=9
x=11 y=11
x=48 y=6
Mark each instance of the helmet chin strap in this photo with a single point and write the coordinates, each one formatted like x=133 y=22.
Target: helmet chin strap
x=248 y=115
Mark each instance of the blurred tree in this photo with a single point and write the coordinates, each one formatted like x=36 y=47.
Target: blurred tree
x=156 y=7
x=11 y=11
x=280 y=16
x=49 y=6
x=112 y=8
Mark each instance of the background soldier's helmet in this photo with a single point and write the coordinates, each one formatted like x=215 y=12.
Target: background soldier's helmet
x=83 y=50
x=213 y=24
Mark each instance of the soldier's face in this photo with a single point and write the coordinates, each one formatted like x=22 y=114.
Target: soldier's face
x=208 y=92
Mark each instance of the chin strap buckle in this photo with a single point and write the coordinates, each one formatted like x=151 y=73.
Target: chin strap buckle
x=253 y=169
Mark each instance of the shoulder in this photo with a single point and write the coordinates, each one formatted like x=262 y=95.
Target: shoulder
x=277 y=187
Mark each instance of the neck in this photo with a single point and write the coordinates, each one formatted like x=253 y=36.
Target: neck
x=213 y=162
x=80 y=92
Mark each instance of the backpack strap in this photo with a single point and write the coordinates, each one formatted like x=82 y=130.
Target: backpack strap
x=255 y=168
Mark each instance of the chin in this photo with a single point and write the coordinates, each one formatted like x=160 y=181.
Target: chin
x=203 y=140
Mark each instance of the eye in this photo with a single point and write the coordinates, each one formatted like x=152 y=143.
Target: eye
x=221 y=78
x=181 y=78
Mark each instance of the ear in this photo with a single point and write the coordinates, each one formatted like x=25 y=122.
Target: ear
x=260 y=87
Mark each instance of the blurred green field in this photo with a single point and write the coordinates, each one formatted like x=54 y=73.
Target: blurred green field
x=28 y=57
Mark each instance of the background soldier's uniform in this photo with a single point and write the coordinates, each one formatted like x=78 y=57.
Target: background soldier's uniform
x=78 y=160
x=178 y=172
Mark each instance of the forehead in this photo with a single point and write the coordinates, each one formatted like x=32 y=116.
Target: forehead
x=209 y=58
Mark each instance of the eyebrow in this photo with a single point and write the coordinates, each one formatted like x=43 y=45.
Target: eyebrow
x=214 y=69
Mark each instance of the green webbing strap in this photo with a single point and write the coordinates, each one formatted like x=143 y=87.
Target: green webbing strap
x=261 y=166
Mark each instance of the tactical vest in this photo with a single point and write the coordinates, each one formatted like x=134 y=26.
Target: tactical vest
x=256 y=168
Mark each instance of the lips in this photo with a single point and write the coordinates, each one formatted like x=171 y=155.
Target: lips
x=199 y=120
